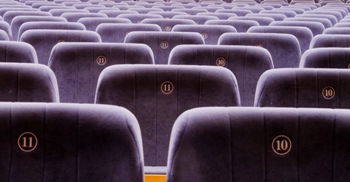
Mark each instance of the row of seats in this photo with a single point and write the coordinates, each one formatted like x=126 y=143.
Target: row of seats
x=84 y=142
x=158 y=94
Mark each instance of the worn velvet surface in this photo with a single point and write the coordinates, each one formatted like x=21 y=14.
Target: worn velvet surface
x=77 y=69
x=284 y=48
x=246 y=63
x=303 y=88
x=74 y=143
x=235 y=144
x=44 y=41
x=162 y=43
x=138 y=88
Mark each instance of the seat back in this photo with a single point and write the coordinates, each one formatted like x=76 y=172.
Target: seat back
x=162 y=43
x=326 y=57
x=284 y=48
x=69 y=142
x=17 y=52
x=246 y=62
x=91 y=23
x=43 y=41
x=210 y=33
x=315 y=27
x=116 y=33
x=168 y=24
x=240 y=25
x=27 y=82
x=78 y=65
x=269 y=144
x=303 y=34
x=329 y=40
x=318 y=88
x=19 y=20
x=75 y=16
x=158 y=94
x=49 y=25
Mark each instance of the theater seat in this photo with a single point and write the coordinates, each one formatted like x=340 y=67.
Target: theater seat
x=303 y=34
x=69 y=142
x=111 y=32
x=210 y=33
x=168 y=24
x=315 y=27
x=317 y=88
x=158 y=94
x=246 y=62
x=27 y=82
x=260 y=144
x=43 y=41
x=162 y=43
x=284 y=48
x=91 y=23
x=17 y=52
x=326 y=57
x=330 y=40
x=49 y=25
x=78 y=65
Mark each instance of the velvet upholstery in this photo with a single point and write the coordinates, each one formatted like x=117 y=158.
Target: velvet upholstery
x=325 y=22
x=43 y=41
x=59 y=12
x=162 y=43
x=315 y=27
x=331 y=18
x=113 y=13
x=335 y=13
x=276 y=17
x=263 y=21
x=9 y=15
x=337 y=30
x=19 y=20
x=73 y=142
x=48 y=8
x=137 y=18
x=190 y=11
x=327 y=57
x=167 y=14
x=303 y=34
x=139 y=89
x=329 y=40
x=74 y=17
x=227 y=144
x=246 y=62
x=239 y=25
x=49 y=25
x=27 y=82
x=91 y=23
x=342 y=24
x=168 y=24
x=77 y=69
x=4 y=36
x=3 y=10
x=116 y=33
x=288 y=13
x=198 y=19
x=319 y=88
x=284 y=48
x=221 y=16
x=210 y=33
x=17 y=52
x=238 y=12
x=7 y=28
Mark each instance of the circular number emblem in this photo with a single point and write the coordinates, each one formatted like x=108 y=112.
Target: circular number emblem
x=259 y=45
x=27 y=142
x=281 y=145
x=164 y=44
x=220 y=61
x=328 y=92
x=101 y=60
x=205 y=35
x=167 y=87
x=60 y=40
x=168 y=28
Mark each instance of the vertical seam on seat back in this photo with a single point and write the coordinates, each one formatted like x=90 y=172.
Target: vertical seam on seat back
x=333 y=144
x=11 y=150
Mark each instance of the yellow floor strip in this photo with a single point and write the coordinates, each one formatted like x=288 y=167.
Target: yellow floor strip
x=155 y=178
